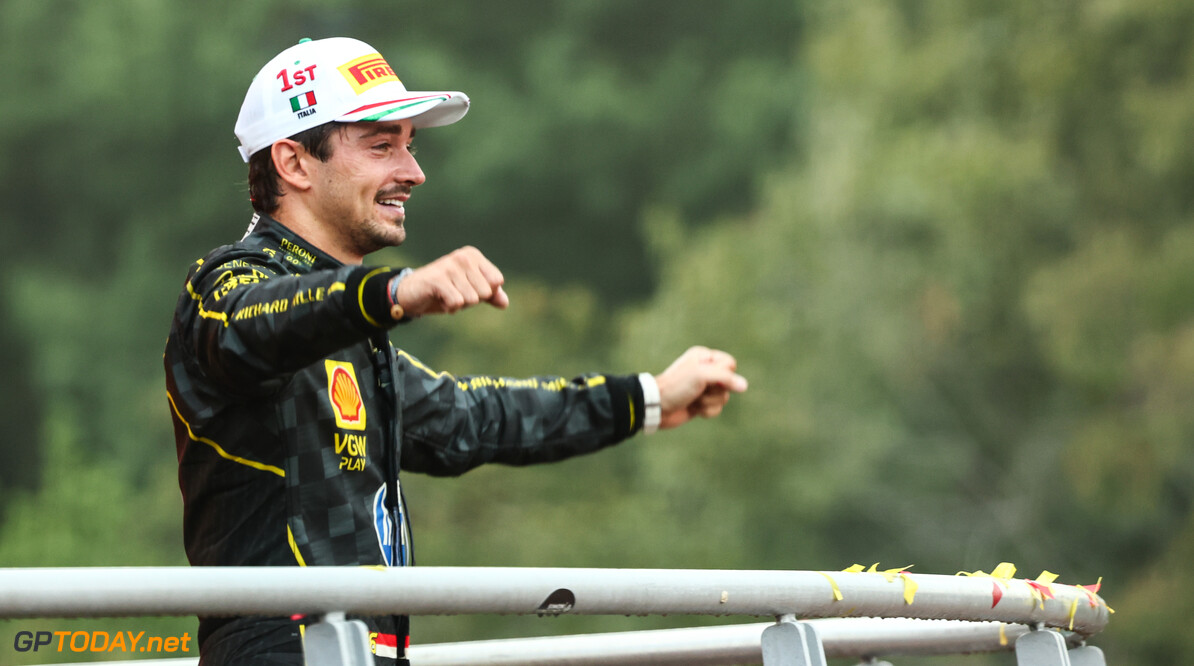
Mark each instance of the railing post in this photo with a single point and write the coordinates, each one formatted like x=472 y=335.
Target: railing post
x=1087 y=655
x=792 y=643
x=335 y=641
x=1041 y=647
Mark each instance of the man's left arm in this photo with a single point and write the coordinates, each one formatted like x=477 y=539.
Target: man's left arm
x=454 y=424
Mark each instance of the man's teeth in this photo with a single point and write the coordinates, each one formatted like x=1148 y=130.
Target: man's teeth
x=391 y=202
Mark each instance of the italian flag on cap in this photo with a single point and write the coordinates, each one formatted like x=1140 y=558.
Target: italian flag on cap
x=303 y=101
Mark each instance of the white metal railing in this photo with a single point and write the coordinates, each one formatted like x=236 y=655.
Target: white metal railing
x=724 y=645
x=449 y=590
x=729 y=645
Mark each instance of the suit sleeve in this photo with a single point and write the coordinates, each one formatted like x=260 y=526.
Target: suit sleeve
x=452 y=425
x=250 y=323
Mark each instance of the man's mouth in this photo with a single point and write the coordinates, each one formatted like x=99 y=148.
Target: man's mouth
x=394 y=200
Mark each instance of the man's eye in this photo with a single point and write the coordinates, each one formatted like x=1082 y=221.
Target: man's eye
x=381 y=146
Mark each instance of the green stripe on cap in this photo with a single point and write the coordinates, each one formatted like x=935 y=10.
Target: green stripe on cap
x=383 y=114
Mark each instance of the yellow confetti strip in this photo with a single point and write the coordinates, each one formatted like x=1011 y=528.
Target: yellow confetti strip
x=837 y=591
x=910 y=588
x=892 y=574
x=1002 y=573
x=1040 y=589
x=1005 y=571
x=1002 y=634
x=889 y=574
x=1036 y=594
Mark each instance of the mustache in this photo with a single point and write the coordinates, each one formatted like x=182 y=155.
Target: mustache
x=395 y=191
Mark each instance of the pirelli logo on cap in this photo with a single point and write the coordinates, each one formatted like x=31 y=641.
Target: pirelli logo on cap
x=367 y=72
x=344 y=393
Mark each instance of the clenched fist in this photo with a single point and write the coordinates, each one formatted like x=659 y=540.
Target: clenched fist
x=453 y=282
x=698 y=383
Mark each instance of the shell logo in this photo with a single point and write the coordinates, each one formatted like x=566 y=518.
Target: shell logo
x=344 y=394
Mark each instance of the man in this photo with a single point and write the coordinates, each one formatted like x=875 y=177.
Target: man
x=293 y=413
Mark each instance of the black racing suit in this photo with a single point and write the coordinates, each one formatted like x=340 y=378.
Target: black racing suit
x=293 y=414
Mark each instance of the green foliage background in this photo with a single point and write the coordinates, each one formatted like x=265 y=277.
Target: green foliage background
x=950 y=243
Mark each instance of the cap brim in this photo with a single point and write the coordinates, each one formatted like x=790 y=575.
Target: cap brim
x=424 y=109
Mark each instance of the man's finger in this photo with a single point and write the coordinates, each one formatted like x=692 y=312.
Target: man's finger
x=464 y=286
x=717 y=375
x=492 y=275
x=718 y=357
x=500 y=300
x=479 y=283
x=714 y=395
x=449 y=297
x=710 y=410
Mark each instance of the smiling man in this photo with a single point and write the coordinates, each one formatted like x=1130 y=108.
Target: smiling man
x=293 y=412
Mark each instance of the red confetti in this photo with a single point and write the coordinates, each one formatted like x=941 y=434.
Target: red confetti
x=996 y=594
x=1091 y=591
x=1040 y=587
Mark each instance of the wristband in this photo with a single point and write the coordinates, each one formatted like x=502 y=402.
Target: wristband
x=396 y=310
x=652 y=413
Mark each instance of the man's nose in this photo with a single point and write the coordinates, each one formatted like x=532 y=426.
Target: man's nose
x=408 y=170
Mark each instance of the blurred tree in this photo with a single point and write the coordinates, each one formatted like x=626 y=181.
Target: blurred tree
x=965 y=316
x=20 y=411
x=583 y=113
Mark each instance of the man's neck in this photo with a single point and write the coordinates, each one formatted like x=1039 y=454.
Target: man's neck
x=303 y=223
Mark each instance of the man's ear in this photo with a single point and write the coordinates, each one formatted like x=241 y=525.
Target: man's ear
x=290 y=160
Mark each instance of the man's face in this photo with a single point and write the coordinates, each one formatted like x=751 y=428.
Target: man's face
x=361 y=191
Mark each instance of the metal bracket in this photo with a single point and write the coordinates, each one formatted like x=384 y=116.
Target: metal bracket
x=1041 y=647
x=792 y=643
x=1087 y=655
x=335 y=641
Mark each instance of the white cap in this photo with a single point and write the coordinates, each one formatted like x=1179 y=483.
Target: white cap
x=333 y=80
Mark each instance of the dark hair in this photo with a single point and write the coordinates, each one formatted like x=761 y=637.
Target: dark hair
x=264 y=188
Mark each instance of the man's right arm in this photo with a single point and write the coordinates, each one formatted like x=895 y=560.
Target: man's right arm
x=250 y=322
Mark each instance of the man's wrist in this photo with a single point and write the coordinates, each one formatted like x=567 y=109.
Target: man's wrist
x=397 y=312
x=652 y=412
x=367 y=296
